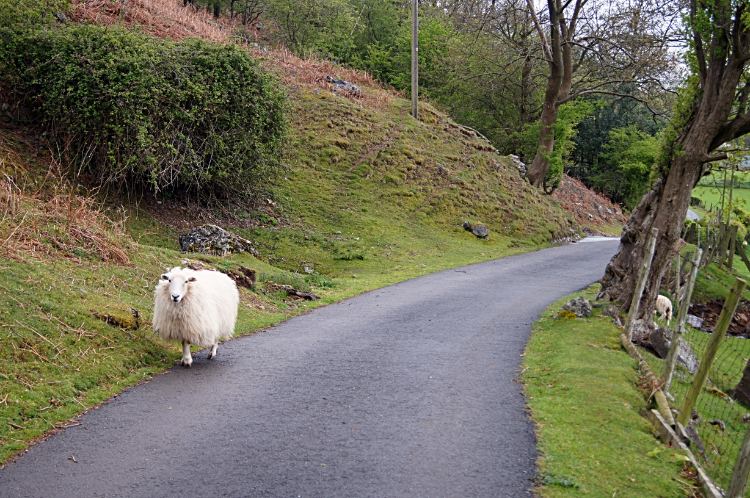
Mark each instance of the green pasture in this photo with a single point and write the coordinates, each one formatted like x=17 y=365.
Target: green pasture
x=712 y=196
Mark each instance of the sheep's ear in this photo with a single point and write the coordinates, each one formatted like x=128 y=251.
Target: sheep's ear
x=165 y=277
x=191 y=279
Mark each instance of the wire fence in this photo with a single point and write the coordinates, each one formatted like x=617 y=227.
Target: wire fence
x=718 y=422
x=709 y=388
x=742 y=182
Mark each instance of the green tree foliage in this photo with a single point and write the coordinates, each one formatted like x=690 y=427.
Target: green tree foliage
x=569 y=115
x=390 y=60
x=311 y=26
x=21 y=14
x=614 y=123
x=610 y=114
x=190 y=116
x=624 y=170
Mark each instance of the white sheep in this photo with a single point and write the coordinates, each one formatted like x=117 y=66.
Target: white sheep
x=195 y=307
x=664 y=307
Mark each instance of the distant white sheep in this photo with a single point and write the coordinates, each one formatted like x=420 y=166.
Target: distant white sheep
x=664 y=307
x=195 y=307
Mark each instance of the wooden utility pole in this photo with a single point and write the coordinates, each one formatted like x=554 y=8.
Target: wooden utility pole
x=414 y=57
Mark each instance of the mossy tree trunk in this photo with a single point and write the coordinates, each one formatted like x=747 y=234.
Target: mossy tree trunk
x=712 y=110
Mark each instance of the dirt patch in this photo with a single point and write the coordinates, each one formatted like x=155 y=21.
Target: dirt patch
x=711 y=310
x=593 y=211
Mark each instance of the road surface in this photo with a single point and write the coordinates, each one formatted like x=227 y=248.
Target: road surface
x=405 y=391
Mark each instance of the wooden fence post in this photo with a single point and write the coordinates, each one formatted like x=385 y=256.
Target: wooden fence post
x=635 y=303
x=730 y=305
x=679 y=326
x=741 y=251
x=717 y=243
x=732 y=247
x=723 y=246
x=738 y=482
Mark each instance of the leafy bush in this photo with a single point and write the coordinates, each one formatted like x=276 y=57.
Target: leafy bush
x=22 y=14
x=626 y=165
x=189 y=116
x=310 y=26
x=568 y=117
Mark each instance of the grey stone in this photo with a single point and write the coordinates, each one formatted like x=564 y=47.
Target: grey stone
x=580 y=306
x=611 y=311
x=661 y=341
x=695 y=322
x=640 y=331
x=519 y=164
x=212 y=239
x=478 y=229
x=343 y=86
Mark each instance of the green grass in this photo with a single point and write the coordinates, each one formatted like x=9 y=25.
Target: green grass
x=721 y=446
x=711 y=196
x=365 y=194
x=583 y=394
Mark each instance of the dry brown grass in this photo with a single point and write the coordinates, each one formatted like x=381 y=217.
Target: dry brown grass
x=162 y=18
x=299 y=73
x=170 y=19
x=587 y=207
x=47 y=225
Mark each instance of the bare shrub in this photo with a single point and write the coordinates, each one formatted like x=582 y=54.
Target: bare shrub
x=61 y=223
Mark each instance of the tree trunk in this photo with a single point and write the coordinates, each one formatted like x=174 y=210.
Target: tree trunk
x=712 y=110
x=527 y=89
x=559 y=58
x=741 y=393
x=537 y=171
x=665 y=208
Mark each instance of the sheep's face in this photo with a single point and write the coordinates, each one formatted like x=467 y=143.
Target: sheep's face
x=178 y=285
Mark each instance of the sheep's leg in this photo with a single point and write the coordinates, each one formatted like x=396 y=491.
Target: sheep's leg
x=187 y=358
x=212 y=354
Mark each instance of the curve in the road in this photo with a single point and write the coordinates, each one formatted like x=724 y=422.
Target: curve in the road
x=409 y=390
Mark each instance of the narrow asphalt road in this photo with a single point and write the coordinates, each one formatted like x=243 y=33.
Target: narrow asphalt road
x=406 y=391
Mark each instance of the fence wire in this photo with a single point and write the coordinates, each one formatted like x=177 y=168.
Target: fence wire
x=718 y=423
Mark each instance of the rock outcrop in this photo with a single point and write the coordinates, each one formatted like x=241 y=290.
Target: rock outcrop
x=212 y=239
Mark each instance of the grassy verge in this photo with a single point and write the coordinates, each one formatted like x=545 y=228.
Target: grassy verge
x=584 y=396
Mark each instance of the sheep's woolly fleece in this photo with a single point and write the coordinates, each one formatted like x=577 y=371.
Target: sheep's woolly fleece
x=206 y=311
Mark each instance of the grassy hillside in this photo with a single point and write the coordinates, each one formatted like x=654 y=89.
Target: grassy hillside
x=371 y=196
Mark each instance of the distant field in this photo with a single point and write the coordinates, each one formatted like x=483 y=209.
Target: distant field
x=711 y=196
x=710 y=188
